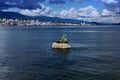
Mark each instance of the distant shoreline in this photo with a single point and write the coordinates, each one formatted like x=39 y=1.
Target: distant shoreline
x=58 y=25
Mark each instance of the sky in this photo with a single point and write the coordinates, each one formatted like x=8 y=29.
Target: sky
x=87 y=10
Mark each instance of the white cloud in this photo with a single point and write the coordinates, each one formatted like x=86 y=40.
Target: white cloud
x=71 y=13
x=106 y=12
x=109 y=1
x=64 y=13
x=87 y=14
x=89 y=11
x=36 y=12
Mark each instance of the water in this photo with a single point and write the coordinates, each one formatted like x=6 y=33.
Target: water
x=26 y=53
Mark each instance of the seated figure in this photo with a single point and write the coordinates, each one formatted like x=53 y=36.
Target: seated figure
x=62 y=40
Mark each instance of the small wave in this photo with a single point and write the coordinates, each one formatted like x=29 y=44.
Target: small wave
x=76 y=45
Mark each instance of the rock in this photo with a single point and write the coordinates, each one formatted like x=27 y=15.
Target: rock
x=60 y=45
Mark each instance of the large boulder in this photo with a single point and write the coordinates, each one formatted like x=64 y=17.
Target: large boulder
x=60 y=45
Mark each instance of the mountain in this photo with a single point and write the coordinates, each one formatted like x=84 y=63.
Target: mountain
x=14 y=15
x=56 y=19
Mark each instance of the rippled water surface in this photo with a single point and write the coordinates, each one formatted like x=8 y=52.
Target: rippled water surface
x=26 y=53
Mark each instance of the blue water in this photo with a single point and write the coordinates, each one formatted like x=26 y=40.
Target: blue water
x=26 y=53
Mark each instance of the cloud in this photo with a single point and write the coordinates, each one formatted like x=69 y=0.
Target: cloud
x=32 y=4
x=26 y=4
x=72 y=13
x=112 y=5
x=88 y=14
x=89 y=11
x=21 y=4
x=109 y=1
x=44 y=11
x=108 y=13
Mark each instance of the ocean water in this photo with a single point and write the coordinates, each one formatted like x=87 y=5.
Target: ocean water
x=26 y=53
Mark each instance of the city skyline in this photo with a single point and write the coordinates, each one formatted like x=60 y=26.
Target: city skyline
x=87 y=10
